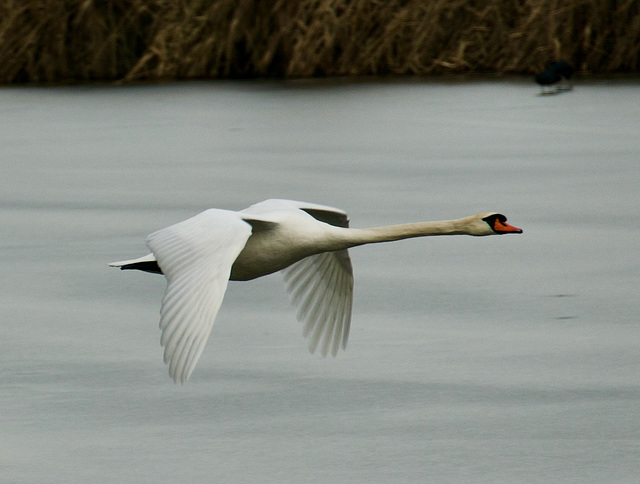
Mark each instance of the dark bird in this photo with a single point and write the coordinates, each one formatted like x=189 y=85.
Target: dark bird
x=557 y=75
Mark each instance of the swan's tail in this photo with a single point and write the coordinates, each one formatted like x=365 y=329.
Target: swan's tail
x=148 y=263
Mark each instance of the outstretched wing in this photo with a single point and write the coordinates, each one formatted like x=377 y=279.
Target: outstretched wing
x=321 y=287
x=323 y=213
x=196 y=258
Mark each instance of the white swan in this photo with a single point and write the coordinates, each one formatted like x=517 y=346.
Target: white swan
x=308 y=242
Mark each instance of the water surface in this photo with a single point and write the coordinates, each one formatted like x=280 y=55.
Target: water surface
x=498 y=359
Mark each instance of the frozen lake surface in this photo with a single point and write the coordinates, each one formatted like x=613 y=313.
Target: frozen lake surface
x=499 y=359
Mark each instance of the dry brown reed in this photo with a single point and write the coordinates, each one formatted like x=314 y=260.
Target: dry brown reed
x=127 y=40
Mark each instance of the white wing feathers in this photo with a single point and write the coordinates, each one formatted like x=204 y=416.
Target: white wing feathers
x=278 y=205
x=321 y=287
x=196 y=258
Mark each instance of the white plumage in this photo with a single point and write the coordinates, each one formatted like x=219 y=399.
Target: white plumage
x=308 y=242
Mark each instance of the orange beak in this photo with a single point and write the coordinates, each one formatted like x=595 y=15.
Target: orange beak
x=505 y=228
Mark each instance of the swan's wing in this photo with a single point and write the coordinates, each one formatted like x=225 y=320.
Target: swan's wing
x=324 y=213
x=321 y=287
x=196 y=258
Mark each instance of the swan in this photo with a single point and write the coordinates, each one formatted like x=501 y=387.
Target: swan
x=306 y=241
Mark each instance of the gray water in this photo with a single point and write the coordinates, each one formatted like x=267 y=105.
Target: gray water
x=497 y=359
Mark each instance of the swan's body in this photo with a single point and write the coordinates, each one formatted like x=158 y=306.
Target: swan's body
x=308 y=242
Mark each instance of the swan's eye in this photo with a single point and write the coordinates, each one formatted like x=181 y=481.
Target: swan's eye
x=491 y=219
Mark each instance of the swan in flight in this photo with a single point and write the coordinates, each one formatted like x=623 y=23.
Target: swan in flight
x=306 y=241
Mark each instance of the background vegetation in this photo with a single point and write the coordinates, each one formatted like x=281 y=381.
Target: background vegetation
x=127 y=40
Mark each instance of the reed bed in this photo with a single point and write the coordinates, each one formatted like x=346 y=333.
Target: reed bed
x=129 y=40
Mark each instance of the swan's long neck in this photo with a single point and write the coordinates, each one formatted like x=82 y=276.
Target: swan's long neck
x=390 y=233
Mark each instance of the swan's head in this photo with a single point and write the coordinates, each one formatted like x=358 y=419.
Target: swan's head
x=489 y=223
x=497 y=224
